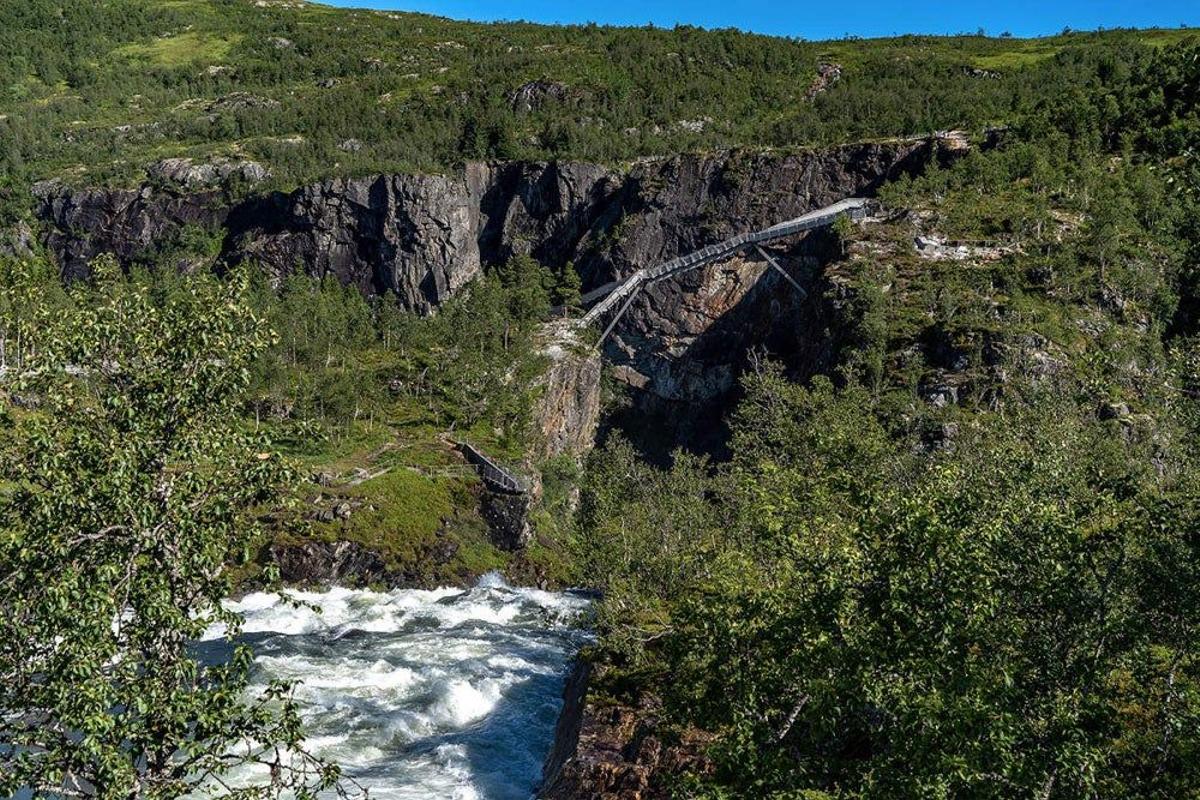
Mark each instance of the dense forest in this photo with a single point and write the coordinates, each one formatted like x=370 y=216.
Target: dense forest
x=93 y=92
x=883 y=596
x=961 y=562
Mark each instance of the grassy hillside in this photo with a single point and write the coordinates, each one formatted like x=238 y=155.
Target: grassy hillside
x=92 y=92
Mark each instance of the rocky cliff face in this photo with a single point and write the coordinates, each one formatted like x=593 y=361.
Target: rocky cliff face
x=423 y=238
x=132 y=224
x=615 y=751
x=682 y=346
x=567 y=411
x=411 y=235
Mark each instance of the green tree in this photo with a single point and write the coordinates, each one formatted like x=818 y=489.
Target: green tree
x=27 y=290
x=570 y=287
x=645 y=535
x=1006 y=622
x=131 y=486
x=527 y=284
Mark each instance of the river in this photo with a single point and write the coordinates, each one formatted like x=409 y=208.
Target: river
x=446 y=694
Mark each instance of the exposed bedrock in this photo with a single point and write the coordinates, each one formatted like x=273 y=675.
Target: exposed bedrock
x=132 y=224
x=567 y=411
x=683 y=346
x=423 y=238
x=318 y=563
x=616 y=750
x=411 y=235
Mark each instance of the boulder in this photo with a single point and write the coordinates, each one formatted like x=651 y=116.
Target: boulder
x=318 y=563
x=534 y=95
x=17 y=241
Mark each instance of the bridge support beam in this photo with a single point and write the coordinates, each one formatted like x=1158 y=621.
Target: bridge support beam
x=779 y=269
x=624 y=307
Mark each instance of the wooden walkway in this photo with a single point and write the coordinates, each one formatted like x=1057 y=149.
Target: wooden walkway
x=612 y=293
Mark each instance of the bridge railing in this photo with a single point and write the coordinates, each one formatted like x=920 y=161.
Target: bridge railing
x=609 y=294
x=493 y=475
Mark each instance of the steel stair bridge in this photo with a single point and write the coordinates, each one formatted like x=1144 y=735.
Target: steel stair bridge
x=610 y=294
x=495 y=476
x=505 y=480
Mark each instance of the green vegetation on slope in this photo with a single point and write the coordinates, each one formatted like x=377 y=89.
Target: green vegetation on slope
x=95 y=91
x=964 y=563
x=360 y=395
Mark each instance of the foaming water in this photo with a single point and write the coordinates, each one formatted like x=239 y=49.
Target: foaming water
x=422 y=694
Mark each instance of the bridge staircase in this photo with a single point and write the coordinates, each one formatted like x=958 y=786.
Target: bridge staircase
x=624 y=292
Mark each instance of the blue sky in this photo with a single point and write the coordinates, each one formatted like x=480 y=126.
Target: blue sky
x=824 y=20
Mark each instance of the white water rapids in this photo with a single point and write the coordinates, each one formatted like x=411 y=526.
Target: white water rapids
x=446 y=694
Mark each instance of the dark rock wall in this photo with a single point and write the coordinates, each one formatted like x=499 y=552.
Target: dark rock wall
x=507 y=517
x=81 y=224
x=411 y=235
x=616 y=750
x=423 y=238
x=566 y=730
x=318 y=563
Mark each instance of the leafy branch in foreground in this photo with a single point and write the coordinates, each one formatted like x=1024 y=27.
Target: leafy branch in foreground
x=129 y=487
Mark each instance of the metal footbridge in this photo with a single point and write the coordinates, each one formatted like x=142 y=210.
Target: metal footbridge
x=627 y=290
x=495 y=477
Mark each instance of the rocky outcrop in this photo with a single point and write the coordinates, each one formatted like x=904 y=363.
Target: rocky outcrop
x=320 y=563
x=536 y=95
x=556 y=212
x=422 y=238
x=132 y=224
x=827 y=75
x=615 y=751
x=411 y=235
x=507 y=518
x=567 y=411
x=570 y=721
x=185 y=173
x=688 y=340
x=135 y=224
x=17 y=240
x=235 y=101
x=685 y=345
